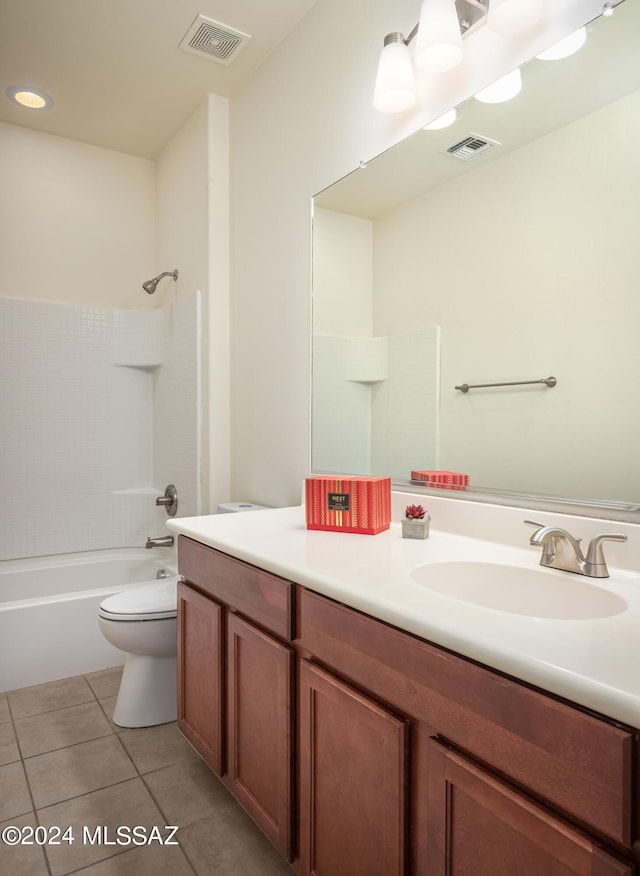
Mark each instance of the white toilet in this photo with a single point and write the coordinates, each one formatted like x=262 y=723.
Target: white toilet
x=142 y=622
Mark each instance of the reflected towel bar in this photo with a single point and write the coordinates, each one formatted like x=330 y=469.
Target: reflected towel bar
x=465 y=387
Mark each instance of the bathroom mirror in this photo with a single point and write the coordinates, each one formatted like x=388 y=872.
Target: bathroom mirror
x=511 y=261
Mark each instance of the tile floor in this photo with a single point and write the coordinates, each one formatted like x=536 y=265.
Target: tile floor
x=63 y=763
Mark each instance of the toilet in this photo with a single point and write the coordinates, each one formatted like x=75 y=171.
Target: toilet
x=142 y=622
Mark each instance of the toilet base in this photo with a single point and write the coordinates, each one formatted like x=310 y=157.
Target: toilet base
x=147 y=694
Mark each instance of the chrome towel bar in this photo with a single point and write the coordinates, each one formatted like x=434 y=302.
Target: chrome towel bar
x=465 y=387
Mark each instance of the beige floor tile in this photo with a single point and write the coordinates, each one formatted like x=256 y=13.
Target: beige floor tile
x=105 y=683
x=151 y=748
x=14 y=794
x=8 y=746
x=151 y=860
x=4 y=709
x=127 y=804
x=108 y=705
x=22 y=860
x=69 y=772
x=46 y=697
x=61 y=728
x=231 y=846
x=188 y=791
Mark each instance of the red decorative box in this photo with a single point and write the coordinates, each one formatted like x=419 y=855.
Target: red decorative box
x=450 y=480
x=348 y=504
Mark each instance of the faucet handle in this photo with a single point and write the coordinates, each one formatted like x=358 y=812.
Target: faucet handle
x=169 y=500
x=533 y=523
x=595 y=554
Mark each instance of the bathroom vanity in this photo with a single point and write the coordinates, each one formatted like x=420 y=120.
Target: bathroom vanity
x=366 y=742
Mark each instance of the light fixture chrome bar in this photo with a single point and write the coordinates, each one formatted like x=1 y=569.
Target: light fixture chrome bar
x=470 y=13
x=465 y=387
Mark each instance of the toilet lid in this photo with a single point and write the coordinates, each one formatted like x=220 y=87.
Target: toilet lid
x=158 y=599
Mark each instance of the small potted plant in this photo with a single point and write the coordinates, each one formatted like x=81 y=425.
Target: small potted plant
x=415 y=523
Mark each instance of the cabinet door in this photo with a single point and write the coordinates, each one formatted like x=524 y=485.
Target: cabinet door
x=259 y=729
x=480 y=826
x=353 y=785
x=200 y=674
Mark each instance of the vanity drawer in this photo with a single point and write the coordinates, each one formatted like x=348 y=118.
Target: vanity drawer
x=573 y=760
x=252 y=592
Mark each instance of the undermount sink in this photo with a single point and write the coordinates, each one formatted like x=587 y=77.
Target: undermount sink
x=518 y=590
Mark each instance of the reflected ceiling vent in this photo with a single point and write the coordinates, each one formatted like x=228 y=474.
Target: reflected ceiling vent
x=213 y=40
x=470 y=147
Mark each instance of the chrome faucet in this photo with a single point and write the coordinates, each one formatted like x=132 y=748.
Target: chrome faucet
x=560 y=550
x=160 y=541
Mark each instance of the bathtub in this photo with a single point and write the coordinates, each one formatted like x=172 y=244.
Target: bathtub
x=49 y=611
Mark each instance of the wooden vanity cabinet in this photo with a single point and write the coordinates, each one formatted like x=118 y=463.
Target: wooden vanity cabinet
x=478 y=825
x=353 y=780
x=259 y=722
x=201 y=674
x=235 y=681
x=410 y=760
x=498 y=771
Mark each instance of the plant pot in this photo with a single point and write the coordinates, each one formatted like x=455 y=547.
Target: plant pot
x=412 y=528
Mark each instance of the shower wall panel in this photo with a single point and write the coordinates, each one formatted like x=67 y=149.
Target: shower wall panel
x=78 y=423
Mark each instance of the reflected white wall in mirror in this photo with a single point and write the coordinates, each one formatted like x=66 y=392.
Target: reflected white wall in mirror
x=524 y=259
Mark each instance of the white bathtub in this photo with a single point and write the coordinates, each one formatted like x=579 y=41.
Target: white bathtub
x=49 y=611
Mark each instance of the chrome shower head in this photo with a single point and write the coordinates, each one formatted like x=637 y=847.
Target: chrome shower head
x=150 y=285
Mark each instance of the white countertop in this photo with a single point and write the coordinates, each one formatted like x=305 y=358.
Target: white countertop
x=594 y=662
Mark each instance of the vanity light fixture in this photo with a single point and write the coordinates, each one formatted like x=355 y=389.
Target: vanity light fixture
x=438 y=44
x=512 y=16
x=439 y=39
x=502 y=89
x=395 y=89
x=565 y=47
x=32 y=98
x=442 y=121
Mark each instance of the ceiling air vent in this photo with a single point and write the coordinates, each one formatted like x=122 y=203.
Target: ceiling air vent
x=470 y=147
x=213 y=40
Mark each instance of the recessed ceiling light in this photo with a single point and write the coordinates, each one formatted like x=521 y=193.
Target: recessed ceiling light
x=32 y=98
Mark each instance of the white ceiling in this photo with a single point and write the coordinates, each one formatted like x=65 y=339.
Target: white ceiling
x=114 y=68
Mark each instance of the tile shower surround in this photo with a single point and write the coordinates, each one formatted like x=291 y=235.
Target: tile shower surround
x=63 y=762
x=84 y=394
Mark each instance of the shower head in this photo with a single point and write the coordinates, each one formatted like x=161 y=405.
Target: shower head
x=150 y=285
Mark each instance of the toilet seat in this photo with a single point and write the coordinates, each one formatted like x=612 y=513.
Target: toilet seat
x=149 y=616
x=157 y=601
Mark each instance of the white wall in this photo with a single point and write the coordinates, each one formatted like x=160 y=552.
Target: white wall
x=192 y=235
x=217 y=440
x=304 y=121
x=182 y=223
x=343 y=282
x=76 y=221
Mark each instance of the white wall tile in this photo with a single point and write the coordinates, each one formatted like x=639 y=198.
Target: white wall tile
x=79 y=435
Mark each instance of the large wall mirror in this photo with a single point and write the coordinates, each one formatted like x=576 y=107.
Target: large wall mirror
x=522 y=262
